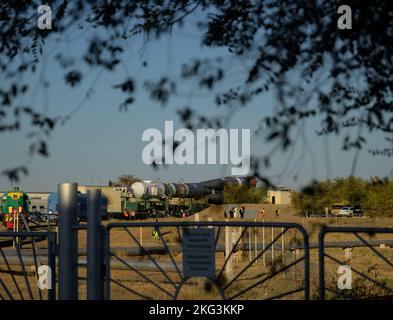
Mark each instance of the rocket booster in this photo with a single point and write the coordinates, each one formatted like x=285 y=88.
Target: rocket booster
x=212 y=189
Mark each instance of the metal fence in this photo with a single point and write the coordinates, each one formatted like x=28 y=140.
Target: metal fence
x=25 y=268
x=189 y=260
x=250 y=260
x=363 y=276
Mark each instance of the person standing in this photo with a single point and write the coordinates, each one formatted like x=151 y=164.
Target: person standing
x=231 y=213
x=241 y=212
x=277 y=212
x=156 y=233
x=126 y=214
x=235 y=211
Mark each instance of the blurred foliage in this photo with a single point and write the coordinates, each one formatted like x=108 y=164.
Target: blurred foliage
x=238 y=194
x=374 y=195
x=292 y=49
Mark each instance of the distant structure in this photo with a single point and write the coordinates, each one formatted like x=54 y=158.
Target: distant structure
x=282 y=195
x=114 y=196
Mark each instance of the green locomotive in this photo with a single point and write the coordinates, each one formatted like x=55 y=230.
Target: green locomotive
x=12 y=202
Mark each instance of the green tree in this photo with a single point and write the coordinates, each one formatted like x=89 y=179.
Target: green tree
x=311 y=198
x=125 y=180
x=379 y=198
x=237 y=194
x=374 y=195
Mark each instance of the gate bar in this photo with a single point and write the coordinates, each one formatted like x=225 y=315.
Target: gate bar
x=94 y=246
x=68 y=242
x=52 y=265
x=321 y=247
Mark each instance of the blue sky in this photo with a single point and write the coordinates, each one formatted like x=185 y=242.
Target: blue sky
x=100 y=143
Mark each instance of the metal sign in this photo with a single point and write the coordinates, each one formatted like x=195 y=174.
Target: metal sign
x=199 y=252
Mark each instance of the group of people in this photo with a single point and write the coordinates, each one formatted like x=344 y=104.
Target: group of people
x=262 y=212
x=235 y=212
x=129 y=215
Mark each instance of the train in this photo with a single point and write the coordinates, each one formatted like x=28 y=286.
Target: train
x=53 y=201
x=154 y=207
x=154 y=198
x=211 y=189
x=14 y=203
x=142 y=199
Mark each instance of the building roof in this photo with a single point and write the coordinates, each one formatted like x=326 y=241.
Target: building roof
x=283 y=189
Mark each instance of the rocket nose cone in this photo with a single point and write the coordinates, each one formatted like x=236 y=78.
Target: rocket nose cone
x=138 y=189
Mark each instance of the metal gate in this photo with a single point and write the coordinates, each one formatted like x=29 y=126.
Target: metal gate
x=362 y=274
x=27 y=271
x=252 y=260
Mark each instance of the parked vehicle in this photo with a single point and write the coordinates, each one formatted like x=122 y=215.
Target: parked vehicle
x=346 y=211
x=336 y=208
x=357 y=211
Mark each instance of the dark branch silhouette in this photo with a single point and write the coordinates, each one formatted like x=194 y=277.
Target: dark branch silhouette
x=344 y=78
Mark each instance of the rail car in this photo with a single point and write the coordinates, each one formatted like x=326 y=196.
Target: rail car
x=155 y=199
x=155 y=208
x=53 y=201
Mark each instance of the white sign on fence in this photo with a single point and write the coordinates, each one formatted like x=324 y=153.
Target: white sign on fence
x=199 y=252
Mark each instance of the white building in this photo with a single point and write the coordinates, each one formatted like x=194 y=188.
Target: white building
x=281 y=195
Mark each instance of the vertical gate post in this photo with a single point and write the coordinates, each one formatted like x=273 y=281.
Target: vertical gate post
x=321 y=253
x=228 y=249
x=95 y=279
x=52 y=265
x=68 y=241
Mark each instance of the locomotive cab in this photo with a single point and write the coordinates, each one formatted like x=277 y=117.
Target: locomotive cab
x=14 y=204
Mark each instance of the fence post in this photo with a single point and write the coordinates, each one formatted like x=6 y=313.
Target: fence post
x=263 y=245
x=68 y=241
x=321 y=254
x=255 y=243
x=283 y=250
x=210 y=219
x=272 y=246
x=94 y=246
x=52 y=265
x=228 y=248
x=249 y=244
